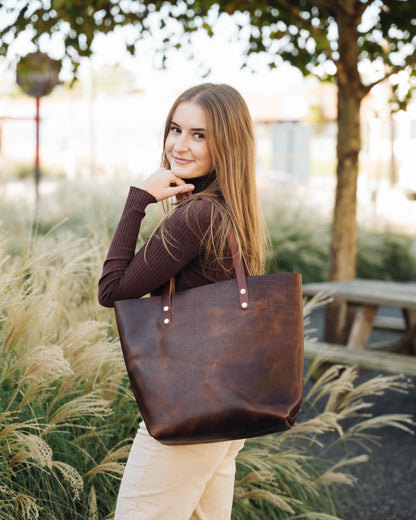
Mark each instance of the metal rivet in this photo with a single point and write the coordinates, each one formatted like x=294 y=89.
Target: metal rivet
x=166 y=308
x=244 y=305
x=166 y=321
x=243 y=291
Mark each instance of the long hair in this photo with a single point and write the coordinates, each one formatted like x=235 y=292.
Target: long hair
x=231 y=144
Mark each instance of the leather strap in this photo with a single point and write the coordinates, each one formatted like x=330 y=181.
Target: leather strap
x=169 y=288
x=239 y=270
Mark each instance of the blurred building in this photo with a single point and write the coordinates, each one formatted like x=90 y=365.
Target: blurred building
x=104 y=128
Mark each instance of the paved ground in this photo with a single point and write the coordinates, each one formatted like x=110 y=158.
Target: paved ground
x=387 y=483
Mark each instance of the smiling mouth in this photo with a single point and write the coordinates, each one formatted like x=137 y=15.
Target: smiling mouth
x=180 y=160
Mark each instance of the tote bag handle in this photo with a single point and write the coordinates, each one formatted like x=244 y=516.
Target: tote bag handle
x=169 y=288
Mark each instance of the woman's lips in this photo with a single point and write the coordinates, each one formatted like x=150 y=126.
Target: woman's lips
x=180 y=160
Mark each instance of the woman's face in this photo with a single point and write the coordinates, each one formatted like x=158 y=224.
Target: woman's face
x=186 y=144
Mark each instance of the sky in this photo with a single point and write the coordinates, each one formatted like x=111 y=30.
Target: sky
x=222 y=54
x=223 y=57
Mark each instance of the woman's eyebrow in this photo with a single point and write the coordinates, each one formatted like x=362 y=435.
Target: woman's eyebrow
x=193 y=129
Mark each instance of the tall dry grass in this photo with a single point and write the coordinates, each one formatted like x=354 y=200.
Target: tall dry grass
x=304 y=472
x=61 y=379
x=67 y=416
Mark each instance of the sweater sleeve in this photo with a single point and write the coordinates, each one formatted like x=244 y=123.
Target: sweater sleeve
x=127 y=274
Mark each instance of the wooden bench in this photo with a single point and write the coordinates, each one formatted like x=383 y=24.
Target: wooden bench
x=390 y=323
x=367 y=296
x=364 y=358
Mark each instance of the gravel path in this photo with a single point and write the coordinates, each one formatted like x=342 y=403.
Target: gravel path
x=386 y=488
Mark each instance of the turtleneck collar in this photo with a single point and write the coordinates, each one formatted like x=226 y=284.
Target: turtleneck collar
x=201 y=183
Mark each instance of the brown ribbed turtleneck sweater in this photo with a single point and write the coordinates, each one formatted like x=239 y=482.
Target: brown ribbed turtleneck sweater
x=127 y=274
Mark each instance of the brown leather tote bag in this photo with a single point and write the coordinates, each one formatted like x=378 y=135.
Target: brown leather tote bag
x=217 y=362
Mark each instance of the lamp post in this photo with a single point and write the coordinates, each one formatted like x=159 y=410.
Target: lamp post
x=37 y=74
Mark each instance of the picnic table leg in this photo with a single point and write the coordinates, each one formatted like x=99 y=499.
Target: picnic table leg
x=362 y=326
x=410 y=318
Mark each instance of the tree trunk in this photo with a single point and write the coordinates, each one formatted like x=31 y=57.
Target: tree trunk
x=344 y=231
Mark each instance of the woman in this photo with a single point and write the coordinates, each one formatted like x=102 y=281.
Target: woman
x=208 y=164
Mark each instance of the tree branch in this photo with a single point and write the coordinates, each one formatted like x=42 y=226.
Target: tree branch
x=326 y=6
x=393 y=70
x=295 y=12
x=362 y=6
x=366 y=88
x=353 y=7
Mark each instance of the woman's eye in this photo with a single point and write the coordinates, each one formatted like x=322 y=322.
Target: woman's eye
x=198 y=135
x=175 y=130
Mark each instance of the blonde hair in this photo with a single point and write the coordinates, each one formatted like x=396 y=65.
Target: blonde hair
x=233 y=190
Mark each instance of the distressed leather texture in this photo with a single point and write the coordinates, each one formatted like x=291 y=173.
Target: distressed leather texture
x=216 y=372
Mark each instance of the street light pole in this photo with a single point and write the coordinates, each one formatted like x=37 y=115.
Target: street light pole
x=37 y=75
x=37 y=167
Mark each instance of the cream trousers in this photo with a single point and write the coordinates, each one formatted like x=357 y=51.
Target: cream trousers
x=192 y=482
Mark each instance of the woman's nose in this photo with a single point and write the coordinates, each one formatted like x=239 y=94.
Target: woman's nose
x=182 y=143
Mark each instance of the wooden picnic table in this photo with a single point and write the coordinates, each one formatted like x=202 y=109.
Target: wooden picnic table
x=368 y=295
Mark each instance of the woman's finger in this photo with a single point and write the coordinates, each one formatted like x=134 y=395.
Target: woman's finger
x=163 y=184
x=181 y=196
x=180 y=192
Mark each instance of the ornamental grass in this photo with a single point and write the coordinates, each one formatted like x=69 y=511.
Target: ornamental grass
x=67 y=416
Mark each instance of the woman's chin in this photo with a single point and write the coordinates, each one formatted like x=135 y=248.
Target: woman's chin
x=182 y=173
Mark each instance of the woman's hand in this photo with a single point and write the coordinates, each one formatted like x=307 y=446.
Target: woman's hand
x=163 y=184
